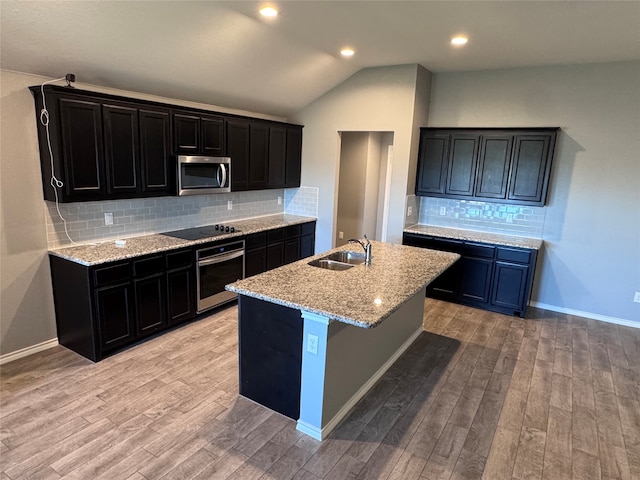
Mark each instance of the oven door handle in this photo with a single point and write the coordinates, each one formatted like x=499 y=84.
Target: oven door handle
x=220 y=258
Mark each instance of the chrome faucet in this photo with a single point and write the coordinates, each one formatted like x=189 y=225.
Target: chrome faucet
x=366 y=244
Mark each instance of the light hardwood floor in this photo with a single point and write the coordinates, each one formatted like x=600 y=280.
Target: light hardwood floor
x=478 y=395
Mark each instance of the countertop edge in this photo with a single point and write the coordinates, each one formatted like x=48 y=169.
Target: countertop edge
x=500 y=239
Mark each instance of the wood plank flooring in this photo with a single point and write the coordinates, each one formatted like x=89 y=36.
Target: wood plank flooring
x=478 y=396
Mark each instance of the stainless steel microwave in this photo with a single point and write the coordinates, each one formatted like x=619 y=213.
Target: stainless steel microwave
x=203 y=175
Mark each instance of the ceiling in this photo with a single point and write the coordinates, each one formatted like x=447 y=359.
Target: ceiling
x=224 y=53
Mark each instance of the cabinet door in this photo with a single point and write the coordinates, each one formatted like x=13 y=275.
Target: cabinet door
x=150 y=304
x=493 y=166
x=463 y=158
x=255 y=261
x=258 y=156
x=121 y=148
x=186 y=133
x=432 y=163
x=238 y=150
x=277 y=151
x=115 y=312
x=275 y=255
x=180 y=295
x=446 y=286
x=292 y=250
x=307 y=245
x=155 y=157
x=293 y=157
x=530 y=168
x=475 y=279
x=510 y=286
x=213 y=142
x=83 y=151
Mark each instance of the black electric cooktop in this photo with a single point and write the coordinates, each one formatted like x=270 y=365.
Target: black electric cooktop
x=202 y=232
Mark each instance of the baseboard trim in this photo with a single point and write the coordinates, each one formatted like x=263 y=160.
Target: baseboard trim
x=592 y=316
x=362 y=391
x=25 y=352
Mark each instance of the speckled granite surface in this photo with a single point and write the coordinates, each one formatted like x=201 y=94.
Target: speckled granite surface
x=471 y=235
x=95 y=254
x=362 y=296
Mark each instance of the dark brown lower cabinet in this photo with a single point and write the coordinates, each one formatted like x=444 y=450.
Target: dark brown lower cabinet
x=101 y=309
x=490 y=277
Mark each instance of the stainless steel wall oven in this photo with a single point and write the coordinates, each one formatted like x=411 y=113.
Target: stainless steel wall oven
x=218 y=266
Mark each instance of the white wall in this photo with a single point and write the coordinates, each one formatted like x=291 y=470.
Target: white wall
x=374 y=99
x=591 y=261
x=351 y=186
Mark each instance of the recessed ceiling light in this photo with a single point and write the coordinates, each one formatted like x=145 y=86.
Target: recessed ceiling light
x=268 y=12
x=459 y=40
x=347 y=52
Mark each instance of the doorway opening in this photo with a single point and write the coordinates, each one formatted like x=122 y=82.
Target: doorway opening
x=364 y=182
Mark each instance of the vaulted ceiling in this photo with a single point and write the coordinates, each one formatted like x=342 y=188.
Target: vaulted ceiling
x=224 y=53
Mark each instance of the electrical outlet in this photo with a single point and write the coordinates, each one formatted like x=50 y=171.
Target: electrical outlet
x=510 y=218
x=341 y=235
x=230 y=205
x=636 y=297
x=108 y=218
x=409 y=211
x=279 y=200
x=312 y=344
x=443 y=211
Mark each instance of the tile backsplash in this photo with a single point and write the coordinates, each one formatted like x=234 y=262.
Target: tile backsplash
x=86 y=222
x=483 y=216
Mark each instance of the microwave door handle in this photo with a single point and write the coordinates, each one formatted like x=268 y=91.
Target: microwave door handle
x=222 y=169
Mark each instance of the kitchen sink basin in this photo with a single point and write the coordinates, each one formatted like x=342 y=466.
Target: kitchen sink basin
x=346 y=256
x=330 y=264
x=339 y=260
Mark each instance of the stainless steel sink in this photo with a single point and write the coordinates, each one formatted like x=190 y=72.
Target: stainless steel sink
x=346 y=256
x=339 y=260
x=330 y=264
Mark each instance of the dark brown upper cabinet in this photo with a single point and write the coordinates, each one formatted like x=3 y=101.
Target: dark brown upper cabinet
x=238 y=150
x=432 y=163
x=195 y=134
x=277 y=156
x=293 y=156
x=507 y=165
x=108 y=147
x=463 y=158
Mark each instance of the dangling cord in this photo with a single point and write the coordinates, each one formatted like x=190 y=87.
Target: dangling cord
x=55 y=182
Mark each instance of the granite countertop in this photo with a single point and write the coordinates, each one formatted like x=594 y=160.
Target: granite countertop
x=95 y=254
x=474 y=236
x=362 y=296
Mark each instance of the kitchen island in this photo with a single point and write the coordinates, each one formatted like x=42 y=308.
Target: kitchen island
x=313 y=341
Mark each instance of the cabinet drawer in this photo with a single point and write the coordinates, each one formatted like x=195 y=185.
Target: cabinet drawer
x=274 y=236
x=292 y=231
x=454 y=246
x=514 y=255
x=478 y=251
x=308 y=228
x=148 y=266
x=179 y=259
x=111 y=274
x=255 y=240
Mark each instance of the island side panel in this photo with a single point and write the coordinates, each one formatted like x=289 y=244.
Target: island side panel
x=270 y=350
x=358 y=357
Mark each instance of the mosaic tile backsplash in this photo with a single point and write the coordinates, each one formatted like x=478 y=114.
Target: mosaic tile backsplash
x=86 y=223
x=482 y=216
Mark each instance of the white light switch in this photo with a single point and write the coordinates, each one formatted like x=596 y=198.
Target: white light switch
x=230 y=205
x=108 y=218
x=279 y=200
